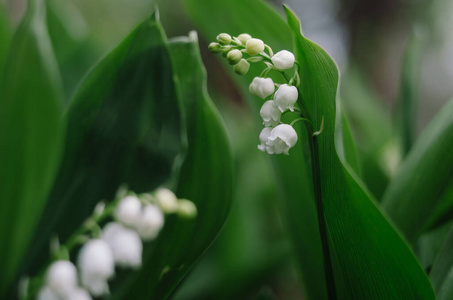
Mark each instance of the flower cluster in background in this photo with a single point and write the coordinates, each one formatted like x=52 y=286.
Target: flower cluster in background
x=136 y=219
x=276 y=137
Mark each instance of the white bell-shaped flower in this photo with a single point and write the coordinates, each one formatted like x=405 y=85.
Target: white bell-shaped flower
x=285 y=97
x=46 y=293
x=270 y=114
x=125 y=244
x=96 y=265
x=61 y=278
x=150 y=223
x=244 y=37
x=282 y=138
x=187 y=209
x=264 y=135
x=79 y=294
x=128 y=210
x=254 y=46
x=283 y=60
x=167 y=200
x=262 y=87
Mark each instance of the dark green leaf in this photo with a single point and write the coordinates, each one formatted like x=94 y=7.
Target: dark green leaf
x=370 y=259
x=124 y=126
x=423 y=176
x=31 y=134
x=206 y=179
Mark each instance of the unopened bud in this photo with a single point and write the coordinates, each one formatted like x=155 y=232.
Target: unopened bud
x=254 y=46
x=187 y=209
x=215 y=47
x=234 y=56
x=224 y=39
x=244 y=37
x=242 y=67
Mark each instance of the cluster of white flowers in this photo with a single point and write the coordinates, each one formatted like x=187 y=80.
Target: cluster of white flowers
x=120 y=243
x=275 y=137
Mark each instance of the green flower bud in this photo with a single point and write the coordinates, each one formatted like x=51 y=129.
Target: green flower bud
x=226 y=50
x=186 y=209
x=215 y=47
x=254 y=46
x=234 y=56
x=224 y=39
x=244 y=37
x=242 y=67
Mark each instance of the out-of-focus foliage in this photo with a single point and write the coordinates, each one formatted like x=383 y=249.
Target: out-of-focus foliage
x=31 y=134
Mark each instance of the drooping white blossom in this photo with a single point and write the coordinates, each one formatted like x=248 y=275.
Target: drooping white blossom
x=150 y=222
x=96 y=265
x=285 y=97
x=270 y=114
x=242 y=67
x=254 y=46
x=167 y=200
x=61 y=278
x=283 y=60
x=262 y=87
x=128 y=210
x=264 y=135
x=79 y=294
x=282 y=138
x=46 y=293
x=125 y=244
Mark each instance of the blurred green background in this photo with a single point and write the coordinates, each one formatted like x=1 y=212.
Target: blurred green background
x=252 y=258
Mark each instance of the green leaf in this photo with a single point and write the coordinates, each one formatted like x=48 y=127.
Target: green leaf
x=441 y=274
x=205 y=178
x=5 y=35
x=124 y=126
x=422 y=178
x=31 y=134
x=370 y=259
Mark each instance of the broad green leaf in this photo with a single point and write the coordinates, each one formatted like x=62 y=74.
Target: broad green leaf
x=124 y=127
x=31 y=134
x=370 y=259
x=205 y=178
x=417 y=187
x=5 y=35
x=443 y=211
x=442 y=272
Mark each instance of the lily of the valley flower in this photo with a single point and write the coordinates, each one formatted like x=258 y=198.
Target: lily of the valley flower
x=254 y=46
x=283 y=60
x=125 y=244
x=96 y=265
x=150 y=222
x=262 y=87
x=285 y=97
x=46 y=293
x=61 y=278
x=264 y=136
x=187 y=209
x=167 y=200
x=244 y=37
x=128 y=210
x=79 y=294
x=281 y=139
x=270 y=114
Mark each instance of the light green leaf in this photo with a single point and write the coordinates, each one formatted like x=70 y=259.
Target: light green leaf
x=423 y=176
x=31 y=132
x=124 y=127
x=370 y=259
x=205 y=178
